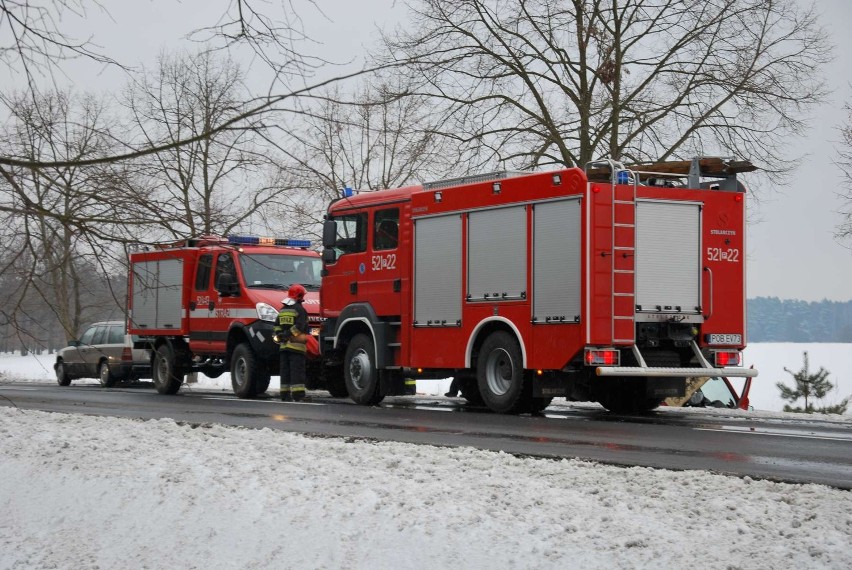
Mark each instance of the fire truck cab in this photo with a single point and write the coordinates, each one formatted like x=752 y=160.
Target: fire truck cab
x=209 y=305
x=607 y=283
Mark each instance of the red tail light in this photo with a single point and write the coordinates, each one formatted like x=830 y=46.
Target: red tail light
x=728 y=358
x=602 y=357
x=127 y=354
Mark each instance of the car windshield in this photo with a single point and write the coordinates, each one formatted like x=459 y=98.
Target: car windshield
x=279 y=271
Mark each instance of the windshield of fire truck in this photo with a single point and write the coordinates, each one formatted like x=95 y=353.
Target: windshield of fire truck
x=277 y=271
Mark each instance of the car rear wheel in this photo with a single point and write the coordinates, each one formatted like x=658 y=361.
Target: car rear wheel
x=105 y=376
x=62 y=377
x=165 y=374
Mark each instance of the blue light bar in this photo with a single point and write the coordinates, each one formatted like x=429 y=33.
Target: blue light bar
x=243 y=240
x=257 y=240
x=298 y=242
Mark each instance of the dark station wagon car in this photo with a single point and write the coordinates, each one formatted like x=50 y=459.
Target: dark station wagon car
x=104 y=352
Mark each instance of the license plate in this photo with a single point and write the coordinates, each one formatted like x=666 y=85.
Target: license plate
x=734 y=339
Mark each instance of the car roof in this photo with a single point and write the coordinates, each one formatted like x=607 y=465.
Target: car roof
x=107 y=323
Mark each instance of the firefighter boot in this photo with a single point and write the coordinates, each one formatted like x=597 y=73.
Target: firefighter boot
x=285 y=395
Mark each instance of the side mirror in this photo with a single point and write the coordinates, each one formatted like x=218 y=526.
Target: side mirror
x=329 y=233
x=227 y=285
x=329 y=256
x=74 y=342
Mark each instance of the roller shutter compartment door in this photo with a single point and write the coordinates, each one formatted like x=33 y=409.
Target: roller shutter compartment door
x=668 y=256
x=556 y=261
x=437 y=270
x=497 y=254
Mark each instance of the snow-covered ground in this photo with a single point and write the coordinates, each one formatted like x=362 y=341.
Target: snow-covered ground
x=92 y=492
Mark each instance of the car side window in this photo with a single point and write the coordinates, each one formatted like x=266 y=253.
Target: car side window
x=116 y=335
x=100 y=335
x=87 y=336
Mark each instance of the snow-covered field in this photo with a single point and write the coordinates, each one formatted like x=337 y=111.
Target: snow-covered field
x=92 y=492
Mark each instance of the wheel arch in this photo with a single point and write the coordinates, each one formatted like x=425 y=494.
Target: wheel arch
x=483 y=329
x=236 y=335
x=361 y=318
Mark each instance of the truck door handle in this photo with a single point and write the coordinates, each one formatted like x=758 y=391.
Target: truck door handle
x=210 y=306
x=192 y=305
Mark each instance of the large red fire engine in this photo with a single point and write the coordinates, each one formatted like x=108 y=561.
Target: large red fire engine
x=209 y=304
x=606 y=283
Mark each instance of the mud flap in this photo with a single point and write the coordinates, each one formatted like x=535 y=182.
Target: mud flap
x=549 y=386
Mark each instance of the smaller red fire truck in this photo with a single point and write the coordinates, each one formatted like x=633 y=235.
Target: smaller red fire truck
x=608 y=283
x=209 y=305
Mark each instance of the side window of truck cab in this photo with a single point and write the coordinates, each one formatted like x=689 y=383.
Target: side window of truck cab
x=351 y=233
x=386 y=229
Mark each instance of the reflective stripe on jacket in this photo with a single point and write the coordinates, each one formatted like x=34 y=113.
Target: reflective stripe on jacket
x=291 y=327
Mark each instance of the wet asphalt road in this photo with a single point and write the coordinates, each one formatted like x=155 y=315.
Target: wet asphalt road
x=794 y=450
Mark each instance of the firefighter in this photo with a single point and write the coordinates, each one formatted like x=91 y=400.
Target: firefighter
x=290 y=333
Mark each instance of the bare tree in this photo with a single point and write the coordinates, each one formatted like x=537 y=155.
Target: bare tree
x=32 y=41
x=53 y=218
x=844 y=153
x=533 y=82
x=216 y=182
x=375 y=139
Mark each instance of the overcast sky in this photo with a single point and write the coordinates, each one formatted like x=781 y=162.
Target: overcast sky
x=792 y=252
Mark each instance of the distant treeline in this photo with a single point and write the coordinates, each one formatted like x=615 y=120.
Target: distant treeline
x=771 y=319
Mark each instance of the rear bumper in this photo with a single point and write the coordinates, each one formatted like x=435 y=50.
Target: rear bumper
x=648 y=372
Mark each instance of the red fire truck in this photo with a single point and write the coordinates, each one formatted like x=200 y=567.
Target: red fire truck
x=607 y=283
x=209 y=304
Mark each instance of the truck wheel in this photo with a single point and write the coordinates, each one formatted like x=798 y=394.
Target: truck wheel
x=335 y=382
x=499 y=373
x=262 y=384
x=359 y=369
x=62 y=377
x=104 y=375
x=164 y=371
x=247 y=376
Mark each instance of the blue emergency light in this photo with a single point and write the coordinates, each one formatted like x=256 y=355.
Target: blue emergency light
x=348 y=192
x=256 y=240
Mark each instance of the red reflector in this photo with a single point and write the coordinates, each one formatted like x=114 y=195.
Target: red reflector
x=126 y=353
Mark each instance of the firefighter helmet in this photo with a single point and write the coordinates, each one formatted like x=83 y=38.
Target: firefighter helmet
x=295 y=293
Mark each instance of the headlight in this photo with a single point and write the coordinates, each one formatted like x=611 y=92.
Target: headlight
x=266 y=312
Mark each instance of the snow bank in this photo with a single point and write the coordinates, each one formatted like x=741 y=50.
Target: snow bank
x=92 y=492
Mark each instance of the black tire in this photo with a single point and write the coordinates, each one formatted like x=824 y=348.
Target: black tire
x=62 y=377
x=165 y=372
x=106 y=378
x=470 y=390
x=335 y=382
x=247 y=376
x=360 y=373
x=500 y=374
x=263 y=384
